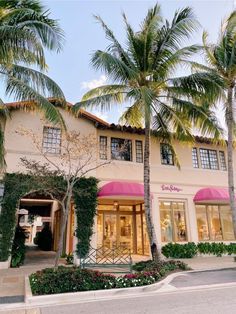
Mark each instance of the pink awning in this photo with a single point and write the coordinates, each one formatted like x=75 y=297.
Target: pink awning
x=122 y=189
x=212 y=194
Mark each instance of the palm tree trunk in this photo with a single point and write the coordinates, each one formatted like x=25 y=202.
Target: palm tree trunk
x=147 y=195
x=230 y=126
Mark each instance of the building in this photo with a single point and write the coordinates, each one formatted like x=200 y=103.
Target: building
x=188 y=204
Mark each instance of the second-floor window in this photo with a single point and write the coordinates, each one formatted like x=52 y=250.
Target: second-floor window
x=103 y=147
x=51 y=140
x=209 y=159
x=121 y=149
x=167 y=157
x=195 y=158
x=139 y=151
x=222 y=161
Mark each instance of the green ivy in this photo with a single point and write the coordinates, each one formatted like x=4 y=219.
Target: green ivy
x=16 y=185
x=85 y=198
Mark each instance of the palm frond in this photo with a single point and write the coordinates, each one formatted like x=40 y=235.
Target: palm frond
x=22 y=91
x=113 y=67
x=105 y=102
x=38 y=81
x=115 y=47
x=133 y=115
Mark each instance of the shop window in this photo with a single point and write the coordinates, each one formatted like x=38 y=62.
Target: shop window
x=121 y=149
x=51 y=140
x=209 y=159
x=173 y=222
x=166 y=155
x=103 y=147
x=195 y=158
x=222 y=161
x=139 y=151
x=214 y=223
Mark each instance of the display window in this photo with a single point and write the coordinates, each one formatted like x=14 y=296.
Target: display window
x=123 y=226
x=214 y=223
x=173 y=221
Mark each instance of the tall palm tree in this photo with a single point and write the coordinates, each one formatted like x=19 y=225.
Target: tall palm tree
x=25 y=31
x=142 y=73
x=221 y=62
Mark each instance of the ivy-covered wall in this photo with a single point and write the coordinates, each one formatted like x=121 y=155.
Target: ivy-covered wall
x=85 y=199
x=17 y=185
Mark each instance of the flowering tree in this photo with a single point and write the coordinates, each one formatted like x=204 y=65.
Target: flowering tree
x=58 y=175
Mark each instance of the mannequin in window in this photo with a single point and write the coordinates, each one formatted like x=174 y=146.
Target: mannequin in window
x=167 y=228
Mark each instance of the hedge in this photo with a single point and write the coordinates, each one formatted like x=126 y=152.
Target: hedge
x=191 y=249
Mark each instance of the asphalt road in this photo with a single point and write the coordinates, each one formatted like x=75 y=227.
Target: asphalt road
x=213 y=301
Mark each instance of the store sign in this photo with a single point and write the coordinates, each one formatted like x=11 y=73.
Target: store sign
x=170 y=188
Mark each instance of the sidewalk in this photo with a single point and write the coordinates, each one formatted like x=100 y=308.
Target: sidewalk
x=12 y=286
x=210 y=262
x=12 y=280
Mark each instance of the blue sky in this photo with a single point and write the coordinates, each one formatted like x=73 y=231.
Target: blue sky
x=71 y=68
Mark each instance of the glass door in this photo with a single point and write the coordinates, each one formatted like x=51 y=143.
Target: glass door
x=110 y=231
x=126 y=231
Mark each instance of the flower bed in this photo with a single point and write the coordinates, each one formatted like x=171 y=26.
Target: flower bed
x=74 y=279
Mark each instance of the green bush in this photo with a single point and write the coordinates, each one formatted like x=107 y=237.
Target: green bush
x=152 y=266
x=141 y=265
x=231 y=248
x=18 y=248
x=72 y=279
x=175 y=250
x=69 y=259
x=189 y=250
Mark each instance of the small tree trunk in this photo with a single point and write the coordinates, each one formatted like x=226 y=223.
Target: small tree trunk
x=61 y=239
x=147 y=195
x=230 y=126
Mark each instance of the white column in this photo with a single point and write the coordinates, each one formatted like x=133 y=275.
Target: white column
x=191 y=221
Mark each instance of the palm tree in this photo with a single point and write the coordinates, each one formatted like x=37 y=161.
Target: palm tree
x=25 y=31
x=221 y=62
x=142 y=73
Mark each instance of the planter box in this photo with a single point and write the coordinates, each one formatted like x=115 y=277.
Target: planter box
x=5 y=264
x=72 y=297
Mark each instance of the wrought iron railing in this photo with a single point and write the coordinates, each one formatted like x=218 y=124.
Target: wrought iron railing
x=116 y=258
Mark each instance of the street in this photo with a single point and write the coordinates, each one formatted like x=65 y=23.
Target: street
x=214 y=301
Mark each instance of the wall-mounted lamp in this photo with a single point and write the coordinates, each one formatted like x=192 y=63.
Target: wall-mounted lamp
x=115 y=205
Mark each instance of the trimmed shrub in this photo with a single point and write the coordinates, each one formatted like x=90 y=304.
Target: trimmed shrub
x=189 y=250
x=176 y=250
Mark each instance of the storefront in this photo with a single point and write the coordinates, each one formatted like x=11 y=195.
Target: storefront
x=121 y=218
x=180 y=214
x=213 y=214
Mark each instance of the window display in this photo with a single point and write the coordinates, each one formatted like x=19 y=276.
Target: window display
x=173 y=225
x=214 y=222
